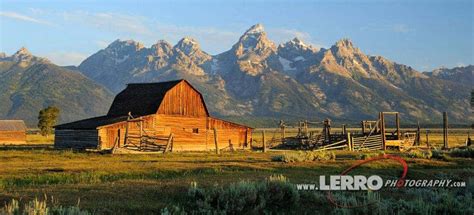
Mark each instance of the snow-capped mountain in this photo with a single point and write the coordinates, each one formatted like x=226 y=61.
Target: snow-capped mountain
x=257 y=78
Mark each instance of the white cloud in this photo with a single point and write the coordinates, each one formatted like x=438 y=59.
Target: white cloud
x=400 y=28
x=137 y=27
x=37 y=11
x=21 y=17
x=212 y=39
x=110 y=21
x=62 y=58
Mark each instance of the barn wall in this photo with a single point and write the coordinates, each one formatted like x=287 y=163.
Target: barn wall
x=79 y=139
x=12 y=137
x=183 y=100
x=229 y=133
x=110 y=133
x=190 y=133
x=186 y=137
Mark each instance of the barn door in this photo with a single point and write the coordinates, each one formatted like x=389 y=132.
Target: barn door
x=111 y=136
x=119 y=138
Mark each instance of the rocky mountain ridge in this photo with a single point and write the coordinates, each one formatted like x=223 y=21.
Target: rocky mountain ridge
x=257 y=79
x=29 y=83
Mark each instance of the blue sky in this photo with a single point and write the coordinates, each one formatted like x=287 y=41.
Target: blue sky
x=422 y=34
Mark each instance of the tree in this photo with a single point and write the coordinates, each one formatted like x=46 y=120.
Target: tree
x=47 y=118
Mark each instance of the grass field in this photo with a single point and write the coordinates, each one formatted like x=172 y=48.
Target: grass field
x=144 y=184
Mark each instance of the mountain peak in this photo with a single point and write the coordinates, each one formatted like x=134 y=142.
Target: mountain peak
x=254 y=40
x=23 y=51
x=297 y=41
x=161 y=47
x=188 y=45
x=345 y=42
x=255 y=29
x=161 y=43
x=23 y=55
x=126 y=43
x=188 y=41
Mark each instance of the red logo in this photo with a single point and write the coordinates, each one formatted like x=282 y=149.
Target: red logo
x=400 y=182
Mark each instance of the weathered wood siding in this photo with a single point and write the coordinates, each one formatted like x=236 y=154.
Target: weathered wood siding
x=181 y=112
x=197 y=134
x=190 y=133
x=229 y=133
x=183 y=100
x=79 y=139
x=12 y=137
x=110 y=133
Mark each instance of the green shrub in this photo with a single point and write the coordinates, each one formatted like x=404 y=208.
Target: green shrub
x=321 y=156
x=440 y=155
x=40 y=207
x=420 y=154
x=305 y=156
x=277 y=196
x=273 y=195
x=368 y=155
x=463 y=153
x=277 y=178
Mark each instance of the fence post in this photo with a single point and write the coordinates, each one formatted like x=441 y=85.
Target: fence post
x=168 y=143
x=445 y=130
x=263 y=141
x=418 y=134
x=468 y=141
x=382 y=129
x=216 y=141
x=362 y=124
x=349 y=141
x=397 y=121
x=427 y=140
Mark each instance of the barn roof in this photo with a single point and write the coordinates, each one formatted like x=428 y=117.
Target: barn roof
x=12 y=125
x=141 y=99
x=92 y=123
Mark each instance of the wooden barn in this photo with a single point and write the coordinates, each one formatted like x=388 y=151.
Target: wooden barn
x=12 y=132
x=166 y=116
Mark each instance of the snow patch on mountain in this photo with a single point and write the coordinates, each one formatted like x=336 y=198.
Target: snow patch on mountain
x=120 y=60
x=299 y=58
x=285 y=63
x=214 y=66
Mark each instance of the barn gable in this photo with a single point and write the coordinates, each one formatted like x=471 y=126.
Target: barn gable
x=169 y=97
x=183 y=100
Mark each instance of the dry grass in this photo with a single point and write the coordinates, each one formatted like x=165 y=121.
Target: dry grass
x=139 y=183
x=146 y=183
x=39 y=139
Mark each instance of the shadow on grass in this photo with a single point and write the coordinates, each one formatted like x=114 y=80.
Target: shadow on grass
x=56 y=176
x=27 y=147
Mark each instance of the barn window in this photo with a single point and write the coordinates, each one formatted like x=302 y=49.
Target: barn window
x=195 y=130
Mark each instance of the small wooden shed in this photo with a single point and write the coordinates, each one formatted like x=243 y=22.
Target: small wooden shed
x=12 y=132
x=147 y=116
